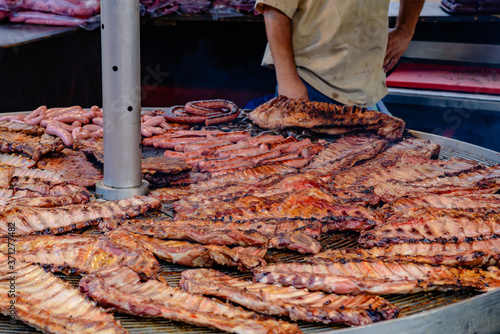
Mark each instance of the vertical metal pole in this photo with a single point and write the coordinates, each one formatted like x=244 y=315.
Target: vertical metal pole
x=121 y=92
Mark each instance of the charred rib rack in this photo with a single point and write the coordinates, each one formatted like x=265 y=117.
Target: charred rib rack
x=379 y=277
x=49 y=304
x=298 y=304
x=78 y=254
x=27 y=220
x=123 y=290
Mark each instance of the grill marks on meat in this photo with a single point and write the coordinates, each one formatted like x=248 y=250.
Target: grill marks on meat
x=399 y=175
x=298 y=235
x=50 y=304
x=123 y=290
x=16 y=160
x=241 y=177
x=379 y=277
x=91 y=147
x=469 y=254
x=31 y=146
x=295 y=235
x=161 y=171
x=344 y=153
x=434 y=225
x=298 y=304
x=305 y=204
x=203 y=235
x=282 y=112
x=190 y=254
x=473 y=202
x=76 y=197
x=74 y=167
x=21 y=127
x=67 y=218
x=273 y=185
x=78 y=254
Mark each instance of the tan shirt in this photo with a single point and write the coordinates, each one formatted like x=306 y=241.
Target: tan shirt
x=339 y=46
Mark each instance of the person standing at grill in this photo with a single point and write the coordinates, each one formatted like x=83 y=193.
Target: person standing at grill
x=335 y=51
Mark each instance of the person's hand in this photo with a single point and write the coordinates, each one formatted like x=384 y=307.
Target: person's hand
x=396 y=46
x=294 y=89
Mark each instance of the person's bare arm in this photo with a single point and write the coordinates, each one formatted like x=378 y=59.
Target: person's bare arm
x=279 y=36
x=400 y=37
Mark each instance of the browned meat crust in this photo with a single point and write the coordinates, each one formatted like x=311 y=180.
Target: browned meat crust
x=203 y=235
x=344 y=153
x=470 y=254
x=50 y=304
x=27 y=220
x=190 y=254
x=305 y=204
x=25 y=128
x=298 y=304
x=379 y=277
x=434 y=225
x=122 y=290
x=31 y=146
x=74 y=167
x=282 y=112
x=78 y=254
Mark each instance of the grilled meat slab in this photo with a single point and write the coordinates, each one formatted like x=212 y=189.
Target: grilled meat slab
x=434 y=225
x=480 y=181
x=123 y=290
x=16 y=160
x=203 y=235
x=298 y=235
x=344 y=153
x=27 y=220
x=50 y=304
x=473 y=202
x=72 y=166
x=91 y=147
x=298 y=304
x=468 y=254
x=305 y=204
x=402 y=168
x=32 y=147
x=21 y=127
x=78 y=197
x=246 y=176
x=161 y=171
x=282 y=112
x=272 y=185
x=78 y=254
x=379 y=277
x=190 y=254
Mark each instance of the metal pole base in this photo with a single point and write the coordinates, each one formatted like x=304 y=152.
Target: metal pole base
x=111 y=193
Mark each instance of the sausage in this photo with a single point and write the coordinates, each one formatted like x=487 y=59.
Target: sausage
x=177 y=114
x=157 y=130
x=92 y=127
x=65 y=136
x=146 y=131
x=36 y=112
x=205 y=107
x=35 y=121
x=97 y=134
x=223 y=118
x=70 y=118
x=64 y=126
x=154 y=121
x=80 y=133
x=98 y=121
